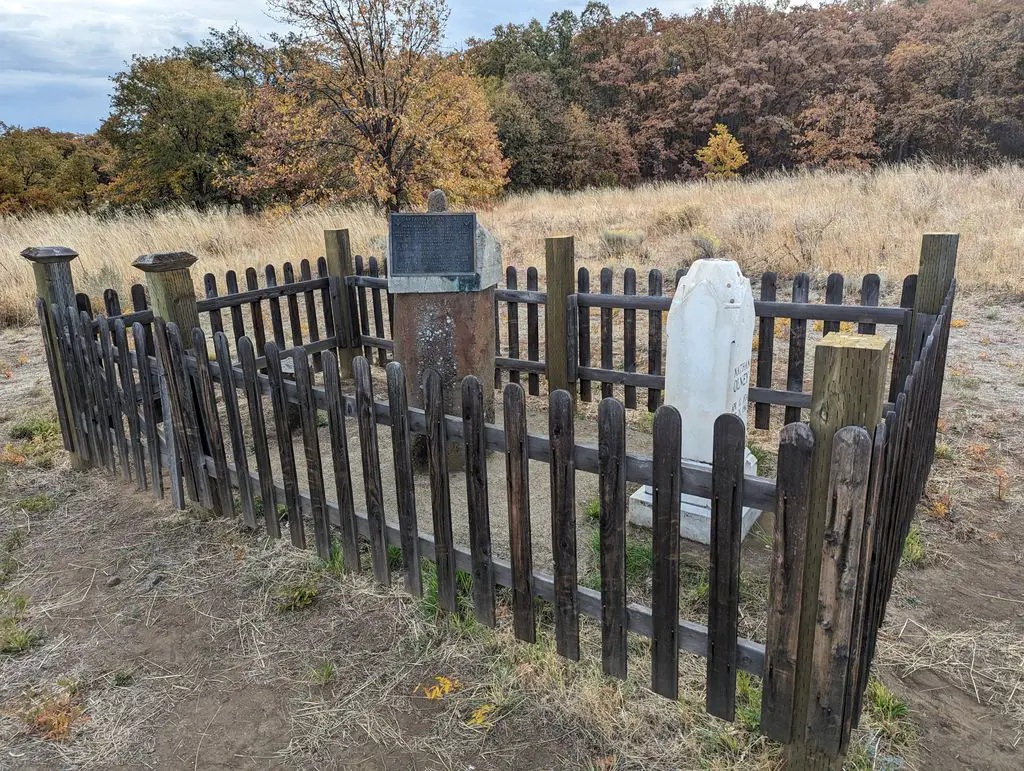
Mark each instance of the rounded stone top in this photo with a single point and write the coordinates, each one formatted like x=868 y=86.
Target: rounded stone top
x=437 y=201
x=45 y=254
x=162 y=262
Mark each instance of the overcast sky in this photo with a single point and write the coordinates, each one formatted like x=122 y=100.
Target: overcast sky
x=56 y=56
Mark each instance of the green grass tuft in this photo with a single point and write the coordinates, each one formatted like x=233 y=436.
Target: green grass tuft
x=296 y=596
x=913 y=549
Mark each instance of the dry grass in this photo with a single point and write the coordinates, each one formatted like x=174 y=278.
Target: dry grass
x=853 y=223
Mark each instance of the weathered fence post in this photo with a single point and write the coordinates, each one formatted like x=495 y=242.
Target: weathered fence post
x=52 y=268
x=338 y=253
x=560 y=275
x=934 y=276
x=172 y=295
x=849 y=388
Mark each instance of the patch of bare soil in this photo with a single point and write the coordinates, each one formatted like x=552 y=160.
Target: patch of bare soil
x=158 y=638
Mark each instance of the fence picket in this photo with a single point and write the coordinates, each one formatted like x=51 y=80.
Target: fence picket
x=216 y=320
x=237 y=321
x=654 y=335
x=261 y=448
x=115 y=412
x=111 y=303
x=904 y=343
x=833 y=296
x=606 y=332
x=286 y=450
x=234 y=417
x=765 y=350
x=563 y=523
x=870 y=286
x=665 y=563
x=67 y=344
x=611 y=426
x=797 y=346
x=370 y=451
x=171 y=421
x=311 y=443
x=207 y=395
x=629 y=335
x=252 y=283
x=511 y=282
x=292 y=299
x=477 y=500
x=405 y=485
x=378 y=314
x=840 y=565
x=723 y=596
x=363 y=313
x=440 y=494
x=583 y=287
x=184 y=419
x=312 y=322
x=785 y=593
x=518 y=489
x=532 y=332
x=276 y=322
x=340 y=457
x=130 y=402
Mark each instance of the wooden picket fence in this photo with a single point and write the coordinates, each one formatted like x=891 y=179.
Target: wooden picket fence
x=157 y=405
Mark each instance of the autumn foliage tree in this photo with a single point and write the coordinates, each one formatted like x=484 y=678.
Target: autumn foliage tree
x=373 y=110
x=723 y=156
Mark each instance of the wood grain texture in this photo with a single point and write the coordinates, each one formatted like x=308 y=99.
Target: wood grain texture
x=229 y=389
x=607 y=342
x=130 y=403
x=478 y=505
x=833 y=296
x=870 y=286
x=518 y=490
x=611 y=426
x=654 y=339
x=405 y=483
x=440 y=493
x=173 y=421
x=378 y=314
x=724 y=592
x=210 y=289
x=765 y=349
x=294 y=318
x=583 y=315
x=629 y=335
x=261 y=448
x=370 y=452
x=237 y=320
x=311 y=445
x=665 y=541
x=532 y=332
x=276 y=321
x=259 y=334
x=797 y=346
x=286 y=449
x=559 y=275
x=312 y=319
x=210 y=425
x=511 y=280
x=785 y=591
x=563 y=523
x=342 y=467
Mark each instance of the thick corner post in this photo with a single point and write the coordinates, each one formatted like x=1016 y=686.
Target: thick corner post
x=338 y=253
x=849 y=388
x=52 y=268
x=560 y=275
x=934 y=277
x=172 y=295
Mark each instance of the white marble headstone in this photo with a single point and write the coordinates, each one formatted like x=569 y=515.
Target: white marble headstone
x=710 y=334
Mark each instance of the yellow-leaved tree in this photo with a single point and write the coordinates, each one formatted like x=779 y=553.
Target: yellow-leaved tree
x=723 y=155
x=371 y=109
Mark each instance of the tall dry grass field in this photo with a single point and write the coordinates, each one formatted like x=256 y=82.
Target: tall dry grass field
x=817 y=222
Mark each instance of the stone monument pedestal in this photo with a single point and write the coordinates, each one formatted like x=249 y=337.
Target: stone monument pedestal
x=694 y=512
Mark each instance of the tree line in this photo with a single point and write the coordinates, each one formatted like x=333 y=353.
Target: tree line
x=359 y=101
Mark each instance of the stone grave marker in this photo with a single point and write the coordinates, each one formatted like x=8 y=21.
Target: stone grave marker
x=710 y=334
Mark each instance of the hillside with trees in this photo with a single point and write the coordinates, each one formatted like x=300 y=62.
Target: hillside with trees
x=360 y=101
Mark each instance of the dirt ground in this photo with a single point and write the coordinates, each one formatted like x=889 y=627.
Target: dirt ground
x=158 y=638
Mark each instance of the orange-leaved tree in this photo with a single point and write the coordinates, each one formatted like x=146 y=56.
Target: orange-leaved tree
x=723 y=155
x=372 y=110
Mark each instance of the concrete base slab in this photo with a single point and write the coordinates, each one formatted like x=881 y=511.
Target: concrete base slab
x=694 y=512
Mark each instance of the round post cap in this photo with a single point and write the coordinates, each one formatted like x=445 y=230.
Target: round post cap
x=437 y=201
x=48 y=254
x=162 y=262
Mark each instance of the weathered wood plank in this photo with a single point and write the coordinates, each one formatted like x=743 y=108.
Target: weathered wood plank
x=629 y=335
x=378 y=314
x=833 y=296
x=765 y=350
x=477 y=499
x=259 y=335
x=370 y=451
x=870 y=286
x=583 y=314
x=237 y=321
x=211 y=423
x=340 y=458
x=115 y=403
x=724 y=593
x=837 y=588
x=440 y=494
x=184 y=417
x=518 y=489
x=513 y=323
x=532 y=332
x=312 y=321
x=314 y=468
x=797 y=346
x=607 y=342
x=261 y=448
x=149 y=416
x=611 y=426
x=785 y=592
x=559 y=274
x=276 y=321
x=654 y=337
x=665 y=540
x=563 y=523
x=210 y=285
x=229 y=389
x=130 y=404
x=405 y=484
x=286 y=449
x=294 y=319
